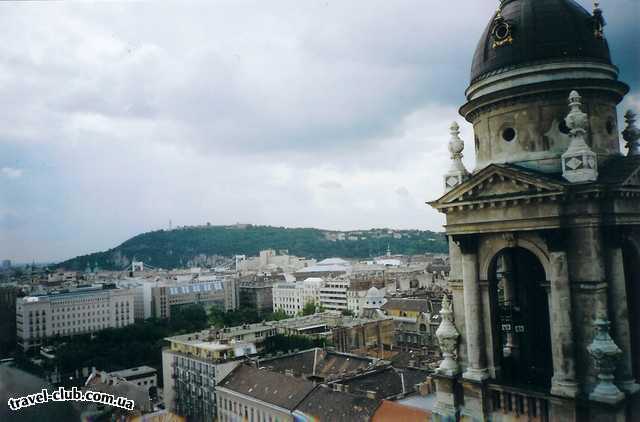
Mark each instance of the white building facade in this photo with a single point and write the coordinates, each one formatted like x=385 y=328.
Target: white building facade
x=333 y=295
x=291 y=297
x=82 y=311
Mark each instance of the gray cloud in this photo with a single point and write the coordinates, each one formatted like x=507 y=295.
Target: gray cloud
x=402 y=192
x=331 y=184
x=121 y=116
x=10 y=172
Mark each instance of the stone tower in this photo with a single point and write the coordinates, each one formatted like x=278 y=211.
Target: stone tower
x=544 y=233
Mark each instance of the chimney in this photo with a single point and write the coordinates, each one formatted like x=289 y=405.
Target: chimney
x=371 y=395
x=424 y=389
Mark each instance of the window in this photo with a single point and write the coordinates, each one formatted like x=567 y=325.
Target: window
x=509 y=134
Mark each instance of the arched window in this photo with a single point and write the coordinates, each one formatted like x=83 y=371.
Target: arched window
x=520 y=312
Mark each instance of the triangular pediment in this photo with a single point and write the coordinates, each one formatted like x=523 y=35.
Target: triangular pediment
x=500 y=182
x=634 y=179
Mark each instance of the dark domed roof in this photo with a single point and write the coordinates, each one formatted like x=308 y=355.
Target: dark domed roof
x=538 y=31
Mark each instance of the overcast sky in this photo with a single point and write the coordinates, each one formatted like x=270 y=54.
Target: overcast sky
x=117 y=117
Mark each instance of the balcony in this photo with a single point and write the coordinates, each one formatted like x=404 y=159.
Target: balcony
x=518 y=404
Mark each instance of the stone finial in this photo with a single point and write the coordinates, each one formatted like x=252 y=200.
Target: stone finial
x=605 y=353
x=579 y=163
x=631 y=133
x=457 y=174
x=447 y=335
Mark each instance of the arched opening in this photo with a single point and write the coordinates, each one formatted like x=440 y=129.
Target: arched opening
x=521 y=323
x=631 y=258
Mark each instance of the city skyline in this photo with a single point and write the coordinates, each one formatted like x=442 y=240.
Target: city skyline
x=323 y=115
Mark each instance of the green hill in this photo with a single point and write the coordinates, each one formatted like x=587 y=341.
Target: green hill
x=176 y=248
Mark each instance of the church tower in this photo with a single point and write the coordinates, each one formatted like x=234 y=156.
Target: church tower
x=544 y=232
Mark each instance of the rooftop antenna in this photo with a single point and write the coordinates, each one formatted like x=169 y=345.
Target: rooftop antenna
x=170 y=225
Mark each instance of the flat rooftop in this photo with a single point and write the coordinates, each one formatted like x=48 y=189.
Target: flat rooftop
x=132 y=372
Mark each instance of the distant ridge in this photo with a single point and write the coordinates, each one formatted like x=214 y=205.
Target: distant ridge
x=194 y=244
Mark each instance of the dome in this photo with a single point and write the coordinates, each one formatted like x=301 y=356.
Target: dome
x=374 y=293
x=534 y=31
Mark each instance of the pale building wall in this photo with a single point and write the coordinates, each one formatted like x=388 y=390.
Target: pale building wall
x=234 y=407
x=43 y=317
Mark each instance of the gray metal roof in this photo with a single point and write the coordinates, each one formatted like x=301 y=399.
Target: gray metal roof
x=543 y=30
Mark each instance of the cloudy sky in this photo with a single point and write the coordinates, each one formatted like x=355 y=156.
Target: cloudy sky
x=116 y=117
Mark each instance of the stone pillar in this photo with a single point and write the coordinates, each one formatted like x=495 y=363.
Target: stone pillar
x=477 y=362
x=619 y=313
x=457 y=173
x=606 y=354
x=446 y=408
x=563 y=382
x=579 y=162
x=631 y=134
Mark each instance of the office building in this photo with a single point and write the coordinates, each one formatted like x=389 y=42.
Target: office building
x=291 y=297
x=66 y=313
x=333 y=295
x=192 y=365
x=220 y=294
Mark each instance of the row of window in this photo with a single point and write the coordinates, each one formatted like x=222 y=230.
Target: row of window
x=245 y=412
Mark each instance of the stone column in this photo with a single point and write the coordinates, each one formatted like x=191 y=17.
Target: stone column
x=619 y=313
x=563 y=382
x=477 y=367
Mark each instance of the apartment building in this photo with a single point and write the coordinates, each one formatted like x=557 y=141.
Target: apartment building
x=291 y=297
x=220 y=293
x=251 y=394
x=8 y=296
x=142 y=376
x=66 y=313
x=256 y=295
x=333 y=295
x=142 y=291
x=192 y=366
x=416 y=320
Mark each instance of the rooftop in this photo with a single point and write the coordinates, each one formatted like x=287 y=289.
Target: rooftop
x=130 y=372
x=387 y=382
x=324 y=404
x=196 y=288
x=267 y=386
x=318 y=363
x=407 y=305
x=533 y=31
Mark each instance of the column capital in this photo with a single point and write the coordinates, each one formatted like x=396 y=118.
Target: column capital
x=468 y=243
